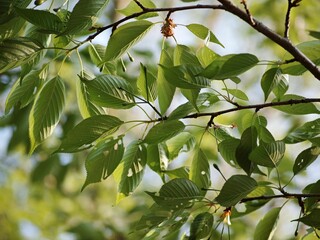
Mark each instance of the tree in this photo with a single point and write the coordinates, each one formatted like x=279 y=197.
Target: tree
x=69 y=90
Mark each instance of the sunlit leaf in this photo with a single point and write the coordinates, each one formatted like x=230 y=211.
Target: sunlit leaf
x=164 y=131
x=200 y=171
x=132 y=168
x=177 y=193
x=267 y=226
x=307 y=131
x=183 y=142
x=110 y=91
x=17 y=51
x=165 y=89
x=125 y=37
x=103 y=160
x=203 y=33
x=297 y=109
x=229 y=66
x=86 y=106
x=183 y=55
x=84 y=15
x=181 y=172
x=146 y=83
x=23 y=91
x=133 y=7
x=46 y=111
x=268 y=154
x=201 y=226
x=237 y=93
x=206 y=56
x=235 y=189
x=305 y=158
x=87 y=131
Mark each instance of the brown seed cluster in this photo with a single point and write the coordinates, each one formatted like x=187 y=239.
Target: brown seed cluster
x=167 y=28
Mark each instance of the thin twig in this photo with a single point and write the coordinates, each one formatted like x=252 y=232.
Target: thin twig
x=244 y=2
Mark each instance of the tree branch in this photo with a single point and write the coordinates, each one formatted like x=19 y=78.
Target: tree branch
x=257 y=107
x=287 y=195
x=281 y=41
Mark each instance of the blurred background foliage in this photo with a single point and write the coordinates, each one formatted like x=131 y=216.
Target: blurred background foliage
x=40 y=194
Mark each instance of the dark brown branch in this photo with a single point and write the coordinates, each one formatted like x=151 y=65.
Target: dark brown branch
x=287 y=195
x=281 y=41
x=257 y=107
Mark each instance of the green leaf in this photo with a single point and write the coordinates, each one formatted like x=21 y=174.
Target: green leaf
x=46 y=111
x=86 y=106
x=314 y=34
x=103 y=160
x=183 y=142
x=203 y=32
x=311 y=219
x=132 y=168
x=84 y=16
x=45 y=20
x=201 y=226
x=200 y=171
x=147 y=84
x=89 y=130
x=183 y=55
x=184 y=76
x=274 y=80
x=248 y=142
x=133 y=7
x=251 y=206
x=11 y=28
x=297 y=109
x=229 y=66
x=177 y=193
x=235 y=189
x=23 y=90
x=311 y=50
x=110 y=91
x=125 y=37
x=156 y=158
x=164 y=131
x=165 y=89
x=181 y=172
x=17 y=51
x=266 y=226
x=237 y=93
x=311 y=202
x=206 y=56
x=307 y=131
x=268 y=154
x=305 y=158
x=227 y=149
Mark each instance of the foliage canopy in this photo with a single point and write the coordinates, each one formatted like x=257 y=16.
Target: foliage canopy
x=185 y=115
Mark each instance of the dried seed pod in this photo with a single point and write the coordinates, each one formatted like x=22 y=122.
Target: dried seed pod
x=167 y=28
